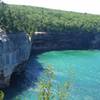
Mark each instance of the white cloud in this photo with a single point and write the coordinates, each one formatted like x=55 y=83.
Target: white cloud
x=89 y=6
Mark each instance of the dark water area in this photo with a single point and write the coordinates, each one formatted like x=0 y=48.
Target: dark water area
x=22 y=81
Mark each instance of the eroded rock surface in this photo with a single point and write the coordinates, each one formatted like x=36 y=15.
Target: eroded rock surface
x=14 y=50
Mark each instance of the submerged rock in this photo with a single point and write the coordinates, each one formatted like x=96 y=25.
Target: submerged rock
x=14 y=50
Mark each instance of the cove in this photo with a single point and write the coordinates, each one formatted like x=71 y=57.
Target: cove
x=84 y=66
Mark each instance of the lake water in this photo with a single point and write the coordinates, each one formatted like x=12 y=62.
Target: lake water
x=81 y=67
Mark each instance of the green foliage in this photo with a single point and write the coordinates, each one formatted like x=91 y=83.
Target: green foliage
x=1 y=95
x=45 y=85
x=63 y=91
x=30 y=19
x=47 y=90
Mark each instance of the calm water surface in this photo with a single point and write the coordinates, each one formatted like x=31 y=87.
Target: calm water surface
x=82 y=67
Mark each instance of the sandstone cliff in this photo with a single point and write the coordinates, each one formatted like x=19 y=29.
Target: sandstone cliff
x=42 y=41
x=14 y=50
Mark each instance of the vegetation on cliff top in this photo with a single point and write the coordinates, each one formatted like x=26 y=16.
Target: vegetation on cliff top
x=14 y=18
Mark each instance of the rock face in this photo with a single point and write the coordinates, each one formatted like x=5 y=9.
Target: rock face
x=42 y=41
x=96 y=42
x=14 y=50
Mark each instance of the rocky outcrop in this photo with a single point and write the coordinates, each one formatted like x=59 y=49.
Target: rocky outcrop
x=14 y=50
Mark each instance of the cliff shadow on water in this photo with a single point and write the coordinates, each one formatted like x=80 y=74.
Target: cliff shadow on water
x=25 y=79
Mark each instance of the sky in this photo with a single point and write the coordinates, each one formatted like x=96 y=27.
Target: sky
x=84 y=6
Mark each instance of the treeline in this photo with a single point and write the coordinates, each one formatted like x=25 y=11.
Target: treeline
x=14 y=18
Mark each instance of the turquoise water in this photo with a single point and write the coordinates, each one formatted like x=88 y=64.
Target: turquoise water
x=82 y=67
